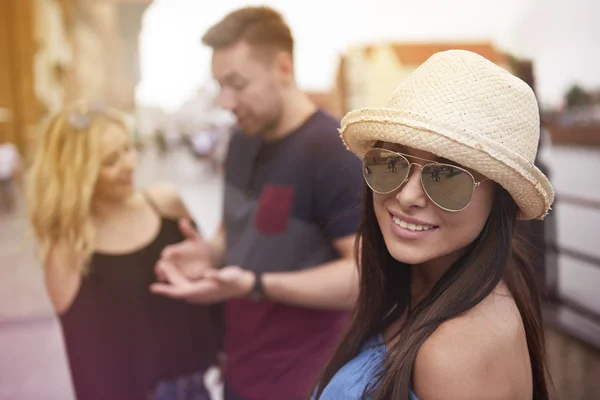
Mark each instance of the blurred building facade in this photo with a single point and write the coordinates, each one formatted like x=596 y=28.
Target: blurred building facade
x=53 y=52
x=328 y=101
x=368 y=74
x=578 y=126
x=585 y=135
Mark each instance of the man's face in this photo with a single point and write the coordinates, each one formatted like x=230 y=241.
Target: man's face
x=119 y=160
x=251 y=87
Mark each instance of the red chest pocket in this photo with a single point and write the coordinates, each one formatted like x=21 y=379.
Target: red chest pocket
x=274 y=209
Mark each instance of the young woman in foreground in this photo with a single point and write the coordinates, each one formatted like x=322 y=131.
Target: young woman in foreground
x=448 y=306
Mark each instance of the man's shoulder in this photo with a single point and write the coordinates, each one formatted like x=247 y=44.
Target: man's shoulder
x=322 y=138
x=323 y=126
x=326 y=119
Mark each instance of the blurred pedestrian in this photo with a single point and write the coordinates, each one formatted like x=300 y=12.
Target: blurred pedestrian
x=161 y=141
x=100 y=238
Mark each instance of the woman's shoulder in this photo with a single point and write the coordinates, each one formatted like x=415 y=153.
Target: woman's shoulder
x=167 y=199
x=481 y=354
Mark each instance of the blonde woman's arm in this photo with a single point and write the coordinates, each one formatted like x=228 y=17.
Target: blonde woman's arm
x=62 y=278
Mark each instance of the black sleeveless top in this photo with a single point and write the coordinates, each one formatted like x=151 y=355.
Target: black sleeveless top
x=121 y=340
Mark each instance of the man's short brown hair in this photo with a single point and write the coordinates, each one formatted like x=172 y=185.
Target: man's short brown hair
x=257 y=26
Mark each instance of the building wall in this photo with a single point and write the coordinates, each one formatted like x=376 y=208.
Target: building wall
x=90 y=63
x=6 y=96
x=370 y=74
x=53 y=52
x=577 y=135
x=387 y=73
x=129 y=24
x=355 y=79
x=17 y=86
x=54 y=56
x=106 y=50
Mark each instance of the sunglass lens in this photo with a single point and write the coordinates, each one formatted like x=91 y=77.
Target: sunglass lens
x=383 y=170
x=449 y=187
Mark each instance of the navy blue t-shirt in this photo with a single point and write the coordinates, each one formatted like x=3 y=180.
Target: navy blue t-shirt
x=285 y=204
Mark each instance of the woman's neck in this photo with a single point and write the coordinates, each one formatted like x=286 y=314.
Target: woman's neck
x=424 y=276
x=103 y=207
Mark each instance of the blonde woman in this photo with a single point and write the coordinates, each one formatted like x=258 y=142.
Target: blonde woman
x=100 y=238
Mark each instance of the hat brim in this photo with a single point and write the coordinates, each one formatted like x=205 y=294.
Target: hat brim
x=528 y=186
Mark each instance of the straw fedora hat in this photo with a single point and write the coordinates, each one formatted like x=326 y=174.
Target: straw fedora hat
x=460 y=106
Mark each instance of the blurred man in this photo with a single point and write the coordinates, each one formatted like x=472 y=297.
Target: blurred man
x=290 y=216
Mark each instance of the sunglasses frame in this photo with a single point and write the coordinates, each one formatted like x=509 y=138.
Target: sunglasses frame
x=428 y=163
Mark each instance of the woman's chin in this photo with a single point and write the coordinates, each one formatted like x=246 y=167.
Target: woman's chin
x=408 y=256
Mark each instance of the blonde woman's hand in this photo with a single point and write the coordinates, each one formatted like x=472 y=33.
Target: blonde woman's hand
x=192 y=256
x=214 y=285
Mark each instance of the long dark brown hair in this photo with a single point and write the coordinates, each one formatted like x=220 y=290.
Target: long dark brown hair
x=496 y=254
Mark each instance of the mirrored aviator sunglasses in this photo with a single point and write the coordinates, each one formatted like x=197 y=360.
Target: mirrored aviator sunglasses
x=448 y=186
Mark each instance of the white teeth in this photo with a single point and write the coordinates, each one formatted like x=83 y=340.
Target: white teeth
x=411 y=226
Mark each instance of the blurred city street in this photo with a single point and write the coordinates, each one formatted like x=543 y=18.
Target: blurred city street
x=33 y=365
x=148 y=61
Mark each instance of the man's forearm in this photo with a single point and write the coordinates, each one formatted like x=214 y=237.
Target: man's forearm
x=333 y=285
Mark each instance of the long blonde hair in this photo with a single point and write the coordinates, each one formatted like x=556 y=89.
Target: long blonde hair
x=62 y=179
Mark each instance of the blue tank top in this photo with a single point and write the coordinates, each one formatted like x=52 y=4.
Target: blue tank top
x=353 y=378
